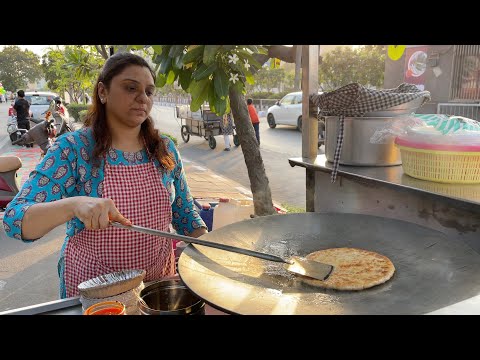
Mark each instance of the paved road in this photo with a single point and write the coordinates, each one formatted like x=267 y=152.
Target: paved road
x=277 y=146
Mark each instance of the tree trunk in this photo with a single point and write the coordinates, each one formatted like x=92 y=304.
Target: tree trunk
x=262 y=196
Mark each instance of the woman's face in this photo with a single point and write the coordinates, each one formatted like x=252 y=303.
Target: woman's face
x=129 y=100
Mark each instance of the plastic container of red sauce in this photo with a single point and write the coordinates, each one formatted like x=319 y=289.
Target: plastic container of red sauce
x=106 y=308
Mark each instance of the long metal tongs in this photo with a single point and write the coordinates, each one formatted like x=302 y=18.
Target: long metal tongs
x=295 y=264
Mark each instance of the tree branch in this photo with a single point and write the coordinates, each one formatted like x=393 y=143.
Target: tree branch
x=102 y=51
x=284 y=53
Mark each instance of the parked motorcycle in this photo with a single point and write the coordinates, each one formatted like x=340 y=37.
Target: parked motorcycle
x=9 y=179
x=45 y=131
x=41 y=134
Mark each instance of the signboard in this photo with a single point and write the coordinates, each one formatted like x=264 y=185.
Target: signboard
x=416 y=65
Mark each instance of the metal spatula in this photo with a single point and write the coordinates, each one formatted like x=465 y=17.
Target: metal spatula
x=295 y=264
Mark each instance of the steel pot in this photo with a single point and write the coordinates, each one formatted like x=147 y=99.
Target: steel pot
x=357 y=148
x=170 y=297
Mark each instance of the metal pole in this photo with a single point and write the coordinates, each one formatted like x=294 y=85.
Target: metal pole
x=298 y=64
x=309 y=118
x=309 y=114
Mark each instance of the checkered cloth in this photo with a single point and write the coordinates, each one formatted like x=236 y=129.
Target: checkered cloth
x=354 y=100
x=140 y=196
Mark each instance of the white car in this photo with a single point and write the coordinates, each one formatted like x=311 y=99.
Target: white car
x=39 y=102
x=287 y=111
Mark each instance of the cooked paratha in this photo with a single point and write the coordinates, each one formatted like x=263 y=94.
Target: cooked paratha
x=354 y=269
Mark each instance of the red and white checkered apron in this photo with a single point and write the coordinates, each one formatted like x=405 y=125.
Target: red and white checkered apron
x=139 y=195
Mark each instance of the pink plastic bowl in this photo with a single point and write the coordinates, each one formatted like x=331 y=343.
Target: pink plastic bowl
x=437 y=147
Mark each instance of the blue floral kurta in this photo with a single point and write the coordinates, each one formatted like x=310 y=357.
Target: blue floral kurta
x=66 y=171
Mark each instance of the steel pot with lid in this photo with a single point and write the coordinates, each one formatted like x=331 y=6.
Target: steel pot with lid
x=169 y=297
x=357 y=148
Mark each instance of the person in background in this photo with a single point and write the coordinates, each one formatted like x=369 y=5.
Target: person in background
x=117 y=168
x=227 y=129
x=254 y=119
x=59 y=106
x=21 y=109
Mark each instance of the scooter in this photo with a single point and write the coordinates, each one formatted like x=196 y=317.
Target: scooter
x=45 y=131
x=9 y=179
x=12 y=127
x=41 y=134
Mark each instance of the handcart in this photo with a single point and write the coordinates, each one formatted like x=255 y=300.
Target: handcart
x=203 y=122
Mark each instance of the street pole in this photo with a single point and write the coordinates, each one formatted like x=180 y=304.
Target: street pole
x=309 y=117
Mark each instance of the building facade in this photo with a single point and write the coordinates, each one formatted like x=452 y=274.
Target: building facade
x=450 y=72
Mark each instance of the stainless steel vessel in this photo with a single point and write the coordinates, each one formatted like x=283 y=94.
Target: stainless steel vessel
x=170 y=297
x=357 y=148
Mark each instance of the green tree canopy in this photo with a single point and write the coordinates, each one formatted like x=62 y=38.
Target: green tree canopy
x=217 y=74
x=18 y=67
x=73 y=69
x=344 y=65
x=267 y=78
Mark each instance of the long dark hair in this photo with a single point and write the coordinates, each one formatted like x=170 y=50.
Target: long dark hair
x=96 y=116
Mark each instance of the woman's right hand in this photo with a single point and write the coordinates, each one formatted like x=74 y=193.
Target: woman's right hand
x=96 y=213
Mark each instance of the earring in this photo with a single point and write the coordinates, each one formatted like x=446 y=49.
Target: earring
x=102 y=100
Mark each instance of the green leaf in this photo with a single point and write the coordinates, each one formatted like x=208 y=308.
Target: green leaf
x=243 y=55
x=177 y=63
x=253 y=48
x=157 y=59
x=161 y=80
x=193 y=55
x=204 y=71
x=237 y=69
x=228 y=47
x=249 y=78
x=171 y=77
x=200 y=94
x=166 y=65
x=185 y=77
x=157 y=49
x=211 y=98
x=228 y=110
x=239 y=87
x=209 y=53
x=262 y=50
x=138 y=47
x=176 y=50
x=220 y=80
x=165 y=51
x=220 y=105
x=196 y=87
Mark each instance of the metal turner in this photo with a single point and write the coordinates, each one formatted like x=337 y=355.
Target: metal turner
x=295 y=264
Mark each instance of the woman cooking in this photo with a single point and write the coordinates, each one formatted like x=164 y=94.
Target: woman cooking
x=117 y=168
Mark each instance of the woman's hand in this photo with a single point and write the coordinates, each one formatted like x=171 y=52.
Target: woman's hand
x=96 y=213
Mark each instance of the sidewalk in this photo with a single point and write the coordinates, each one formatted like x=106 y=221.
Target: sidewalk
x=205 y=184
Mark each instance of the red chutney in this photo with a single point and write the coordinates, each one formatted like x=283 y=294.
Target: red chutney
x=106 y=308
